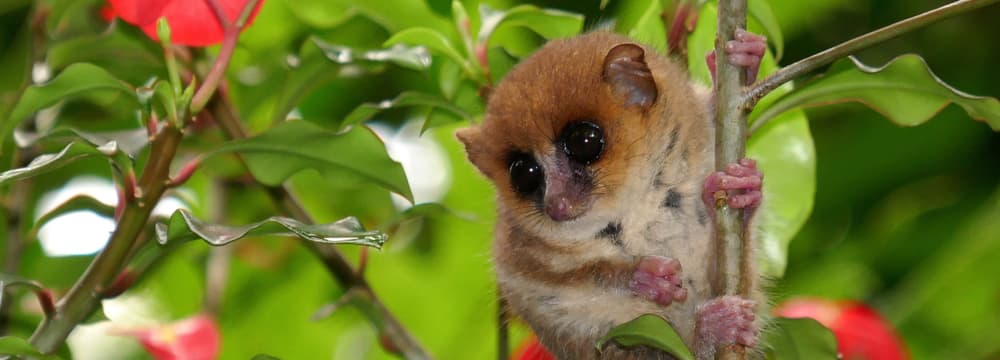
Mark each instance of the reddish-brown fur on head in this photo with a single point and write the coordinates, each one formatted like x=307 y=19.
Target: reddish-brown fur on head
x=565 y=82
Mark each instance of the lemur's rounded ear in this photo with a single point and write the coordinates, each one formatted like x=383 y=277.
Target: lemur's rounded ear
x=626 y=71
x=471 y=138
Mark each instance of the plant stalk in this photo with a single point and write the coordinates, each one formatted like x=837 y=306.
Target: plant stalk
x=85 y=295
x=730 y=276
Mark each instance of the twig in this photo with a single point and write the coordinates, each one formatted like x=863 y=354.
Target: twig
x=85 y=295
x=215 y=75
x=332 y=259
x=730 y=142
x=786 y=74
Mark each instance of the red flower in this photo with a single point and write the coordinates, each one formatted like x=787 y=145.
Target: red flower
x=531 y=349
x=192 y=22
x=861 y=333
x=194 y=338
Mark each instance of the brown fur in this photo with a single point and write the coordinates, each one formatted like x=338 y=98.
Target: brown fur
x=567 y=282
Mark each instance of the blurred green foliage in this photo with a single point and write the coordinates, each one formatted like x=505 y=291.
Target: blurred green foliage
x=905 y=219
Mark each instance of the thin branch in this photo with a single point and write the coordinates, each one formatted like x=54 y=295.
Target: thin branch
x=220 y=13
x=335 y=262
x=786 y=74
x=218 y=70
x=730 y=143
x=85 y=295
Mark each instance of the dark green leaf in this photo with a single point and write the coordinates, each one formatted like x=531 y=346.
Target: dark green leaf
x=264 y=357
x=904 y=90
x=801 y=339
x=320 y=62
x=409 y=98
x=760 y=11
x=183 y=226
x=426 y=210
x=432 y=40
x=76 y=203
x=76 y=79
x=48 y=162
x=650 y=330
x=549 y=23
x=294 y=146
x=10 y=345
x=649 y=29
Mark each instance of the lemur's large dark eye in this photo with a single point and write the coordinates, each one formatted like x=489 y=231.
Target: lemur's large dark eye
x=584 y=141
x=525 y=174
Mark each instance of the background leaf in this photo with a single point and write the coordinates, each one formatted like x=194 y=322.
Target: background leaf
x=293 y=146
x=406 y=99
x=183 y=226
x=760 y=11
x=433 y=40
x=76 y=79
x=549 y=23
x=801 y=339
x=904 y=90
x=48 y=162
x=650 y=330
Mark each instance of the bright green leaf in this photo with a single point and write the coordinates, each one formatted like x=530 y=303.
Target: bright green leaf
x=434 y=41
x=183 y=226
x=650 y=29
x=801 y=339
x=10 y=345
x=293 y=146
x=549 y=23
x=760 y=11
x=650 y=330
x=426 y=210
x=784 y=148
x=322 y=13
x=365 y=111
x=48 y=162
x=76 y=79
x=904 y=90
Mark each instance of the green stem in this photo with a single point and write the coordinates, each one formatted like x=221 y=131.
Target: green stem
x=801 y=67
x=730 y=145
x=85 y=296
x=214 y=77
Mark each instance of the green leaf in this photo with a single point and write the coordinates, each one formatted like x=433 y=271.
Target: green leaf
x=10 y=345
x=549 y=23
x=904 y=90
x=365 y=111
x=785 y=149
x=434 y=41
x=415 y=58
x=801 y=339
x=650 y=330
x=76 y=79
x=183 y=226
x=128 y=141
x=48 y=162
x=264 y=357
x=293 y=146
x=426 y=210
x=760 y=11
x=650 y=29
x=320 y=62
x=76 y=203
